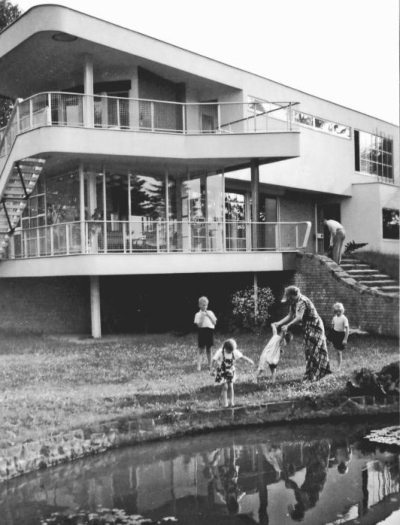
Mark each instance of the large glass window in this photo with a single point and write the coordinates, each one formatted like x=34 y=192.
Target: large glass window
x=35 y=211
x=390 y=223
x=62 y=195
x=373 y=155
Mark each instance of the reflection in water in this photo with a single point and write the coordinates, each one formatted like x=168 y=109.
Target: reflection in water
x=318 y=475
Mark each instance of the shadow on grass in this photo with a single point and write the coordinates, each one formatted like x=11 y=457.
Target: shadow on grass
x=204 y=393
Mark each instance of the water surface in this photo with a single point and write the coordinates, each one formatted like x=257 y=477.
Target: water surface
x=315 y=474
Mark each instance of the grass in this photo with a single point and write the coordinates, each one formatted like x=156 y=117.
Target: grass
x=388 y=263
x=51 y=385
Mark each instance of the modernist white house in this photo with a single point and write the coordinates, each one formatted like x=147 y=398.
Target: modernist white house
x=128 y=156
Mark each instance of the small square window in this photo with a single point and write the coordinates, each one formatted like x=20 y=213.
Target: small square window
x=390 y=223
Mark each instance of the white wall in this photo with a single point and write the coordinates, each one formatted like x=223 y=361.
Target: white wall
x=362 y=215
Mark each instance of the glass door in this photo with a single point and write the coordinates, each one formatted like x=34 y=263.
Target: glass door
x=268 y=233
x=215 y=212
x=235 y=221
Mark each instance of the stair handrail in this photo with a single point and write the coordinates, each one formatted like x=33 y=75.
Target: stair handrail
x=10 y=122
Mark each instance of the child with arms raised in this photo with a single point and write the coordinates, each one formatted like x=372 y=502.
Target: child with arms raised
x=224 y=362
x=272 y=352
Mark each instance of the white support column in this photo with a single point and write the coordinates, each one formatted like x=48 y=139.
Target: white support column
x=255 y=217
x=82 y=217
x=167 y=233
x=95 y=306
x=255 y=285
x=129 y=214
x=134 y=121
x=105 y=241
x=88 y=101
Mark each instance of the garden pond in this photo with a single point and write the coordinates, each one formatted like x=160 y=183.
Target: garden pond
x=319 y=474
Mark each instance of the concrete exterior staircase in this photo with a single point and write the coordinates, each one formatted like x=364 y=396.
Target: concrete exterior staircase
x=20 y=184
x=368 y=276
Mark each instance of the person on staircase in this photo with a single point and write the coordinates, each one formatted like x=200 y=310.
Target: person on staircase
x=338 y=236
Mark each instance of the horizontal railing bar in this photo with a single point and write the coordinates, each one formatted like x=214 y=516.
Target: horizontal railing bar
x=161 y=236
x=171 y=102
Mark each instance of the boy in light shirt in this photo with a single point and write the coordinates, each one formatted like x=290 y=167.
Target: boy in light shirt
x=205 y=321
x=340 y=331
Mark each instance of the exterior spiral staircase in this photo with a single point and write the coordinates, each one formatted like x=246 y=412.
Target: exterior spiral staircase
x=20 y=184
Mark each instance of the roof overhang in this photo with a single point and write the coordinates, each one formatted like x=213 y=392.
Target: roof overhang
x=153 y=152
x=34 y=59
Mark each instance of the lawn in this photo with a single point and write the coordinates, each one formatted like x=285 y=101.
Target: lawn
x=51 y=385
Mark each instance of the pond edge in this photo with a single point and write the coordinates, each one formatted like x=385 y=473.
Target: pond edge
x=19 y=459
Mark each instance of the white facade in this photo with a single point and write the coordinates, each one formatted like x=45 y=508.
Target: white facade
x=186 y=161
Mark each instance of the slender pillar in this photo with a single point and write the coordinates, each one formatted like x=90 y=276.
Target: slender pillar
x=82 y=216
x=167 y=232
x=95 y=306
x=134 y=121
x=88 y=101
x=255 y=285
x=255 y=216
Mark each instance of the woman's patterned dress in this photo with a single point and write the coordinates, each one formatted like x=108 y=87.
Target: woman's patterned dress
x=315 y=346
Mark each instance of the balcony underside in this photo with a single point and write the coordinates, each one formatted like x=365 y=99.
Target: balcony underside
x=148 y=264
x=59 y=144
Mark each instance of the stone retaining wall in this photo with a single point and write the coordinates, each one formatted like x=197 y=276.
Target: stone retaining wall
x=16 y=460
x=325 y=283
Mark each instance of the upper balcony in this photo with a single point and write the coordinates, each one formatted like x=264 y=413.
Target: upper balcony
x=222 y=135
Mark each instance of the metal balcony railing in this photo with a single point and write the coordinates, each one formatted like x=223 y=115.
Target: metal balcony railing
x=105 y=237
x=95 y=111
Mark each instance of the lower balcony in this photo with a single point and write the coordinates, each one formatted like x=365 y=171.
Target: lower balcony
x=152 y=247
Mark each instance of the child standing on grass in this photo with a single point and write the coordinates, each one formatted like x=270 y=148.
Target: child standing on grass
x=224 y=362
x=339 y=332
x=272 y=352
x=205 y=321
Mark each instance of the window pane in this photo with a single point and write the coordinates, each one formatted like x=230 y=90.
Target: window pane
x=374 y=153
x=391 y=222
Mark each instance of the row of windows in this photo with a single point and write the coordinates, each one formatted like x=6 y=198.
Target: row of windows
x=322 y=125
x=262 y=107
x=373 y=153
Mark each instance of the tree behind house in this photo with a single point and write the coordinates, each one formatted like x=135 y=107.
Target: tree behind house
x=8 y=13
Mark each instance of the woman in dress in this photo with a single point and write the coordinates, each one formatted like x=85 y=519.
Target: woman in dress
x=303 y=311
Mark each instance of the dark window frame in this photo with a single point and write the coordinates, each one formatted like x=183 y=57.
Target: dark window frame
x=390 y=223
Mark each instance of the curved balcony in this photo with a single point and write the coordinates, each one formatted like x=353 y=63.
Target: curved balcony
x=179 y=130
x=153 y=247
x=146 y=236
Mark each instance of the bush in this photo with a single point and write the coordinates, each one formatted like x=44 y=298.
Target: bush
x=244 y=314
x=353 y=246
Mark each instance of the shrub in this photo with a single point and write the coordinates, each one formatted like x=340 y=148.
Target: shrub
x=352 y=246
x=244 y=313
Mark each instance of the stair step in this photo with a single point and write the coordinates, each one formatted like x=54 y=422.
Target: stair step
x=361 y=273
x=349 y=266
x=387 y=289
x=379 y=283
x=32 y=162
x=14 y=196
x=376 y=276
x=26 y=170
